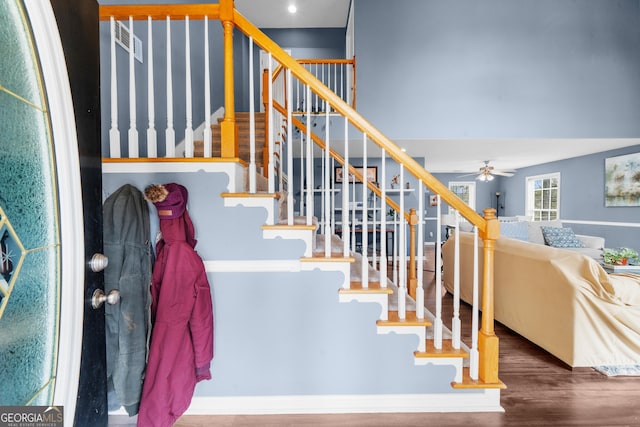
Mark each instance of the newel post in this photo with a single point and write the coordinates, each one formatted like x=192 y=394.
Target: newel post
x=487 y=339
x=228 y=127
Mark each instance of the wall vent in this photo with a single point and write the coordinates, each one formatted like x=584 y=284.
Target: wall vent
x=123 y=38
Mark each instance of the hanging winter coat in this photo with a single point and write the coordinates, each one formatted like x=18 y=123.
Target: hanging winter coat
x=127 y=246
x=181 y=346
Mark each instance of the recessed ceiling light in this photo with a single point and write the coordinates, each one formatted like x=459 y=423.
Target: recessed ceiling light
x=292 y=8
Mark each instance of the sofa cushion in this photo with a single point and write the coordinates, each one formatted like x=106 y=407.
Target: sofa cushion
x=515 y=230
x=561 y=237
x=535 y=233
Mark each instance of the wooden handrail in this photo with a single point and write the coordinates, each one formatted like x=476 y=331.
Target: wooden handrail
x=359 y=122
x=160 y=11
x=325 y=61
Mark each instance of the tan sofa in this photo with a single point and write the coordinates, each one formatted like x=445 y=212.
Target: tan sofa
x=559 y=299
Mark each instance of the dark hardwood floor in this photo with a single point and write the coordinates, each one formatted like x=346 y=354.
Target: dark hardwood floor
x=541 y=391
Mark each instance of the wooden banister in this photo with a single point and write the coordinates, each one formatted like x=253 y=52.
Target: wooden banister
x=488 y=345
x=228 y=127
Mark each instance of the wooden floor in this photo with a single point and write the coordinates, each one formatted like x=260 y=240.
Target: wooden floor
x=542 y=391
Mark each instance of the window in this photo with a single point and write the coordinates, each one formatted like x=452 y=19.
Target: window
x=543 y=197
x=466 y=191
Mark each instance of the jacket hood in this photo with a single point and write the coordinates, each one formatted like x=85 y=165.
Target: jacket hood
x=170 y=201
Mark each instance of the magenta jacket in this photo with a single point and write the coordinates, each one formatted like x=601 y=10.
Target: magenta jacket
x=181 y=346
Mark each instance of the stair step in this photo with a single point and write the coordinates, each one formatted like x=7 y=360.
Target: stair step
x=335 y=257
x=373 y=288
x=250 y=195
x=446 y=351
x=468 y=383
x=410 y=320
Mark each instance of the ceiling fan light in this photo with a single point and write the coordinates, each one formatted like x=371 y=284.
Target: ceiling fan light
x=482 y=177
x=489 y=177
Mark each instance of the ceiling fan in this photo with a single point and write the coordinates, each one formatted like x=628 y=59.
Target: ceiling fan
x=486 y=172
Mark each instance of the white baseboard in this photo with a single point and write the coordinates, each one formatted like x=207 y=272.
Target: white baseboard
x=482 y=401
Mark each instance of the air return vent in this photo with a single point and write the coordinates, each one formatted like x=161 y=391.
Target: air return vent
x=123 y=38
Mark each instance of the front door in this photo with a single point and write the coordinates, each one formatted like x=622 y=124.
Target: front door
x=78 y=25
x=50 y=209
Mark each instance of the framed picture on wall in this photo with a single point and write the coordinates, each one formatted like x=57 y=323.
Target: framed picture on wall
x=622 y=180
x=466 y=191
x=372 y=174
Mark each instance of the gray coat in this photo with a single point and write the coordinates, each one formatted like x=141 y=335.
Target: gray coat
x=127 y=245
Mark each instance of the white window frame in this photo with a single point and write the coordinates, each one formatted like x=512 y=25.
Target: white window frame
x=530 y=197
x=471 y=187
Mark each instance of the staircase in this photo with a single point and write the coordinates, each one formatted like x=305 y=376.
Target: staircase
x=295 y=331
x=302 y=324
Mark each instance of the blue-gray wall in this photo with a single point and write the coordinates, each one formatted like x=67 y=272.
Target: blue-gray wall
x=582 y=182
x=499 y=68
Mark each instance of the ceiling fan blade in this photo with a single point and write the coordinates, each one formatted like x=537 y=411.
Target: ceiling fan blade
x=468 y=174
x=503 y=173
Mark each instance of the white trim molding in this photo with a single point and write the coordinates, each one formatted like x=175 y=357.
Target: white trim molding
x=487 y=400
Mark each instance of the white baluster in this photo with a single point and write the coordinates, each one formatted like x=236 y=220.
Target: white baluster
x=252 y=124
x=272 y=166
x=152 y=136
x=310 y=186
x=365 y=222
x=402 y=241
x=327 y=187
x=473 y=352
x=455 y=321
x=437 y=322
x=383 y=221
x=207 y=94
x=133 y=132
x=114 y=133
x=374 y=229
x=289 y=151
x=170 y=133
x=396 y=239
x=302 y=174
x=420 y=255
x=345 y=192
x=352 y=213
x=188 y=132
